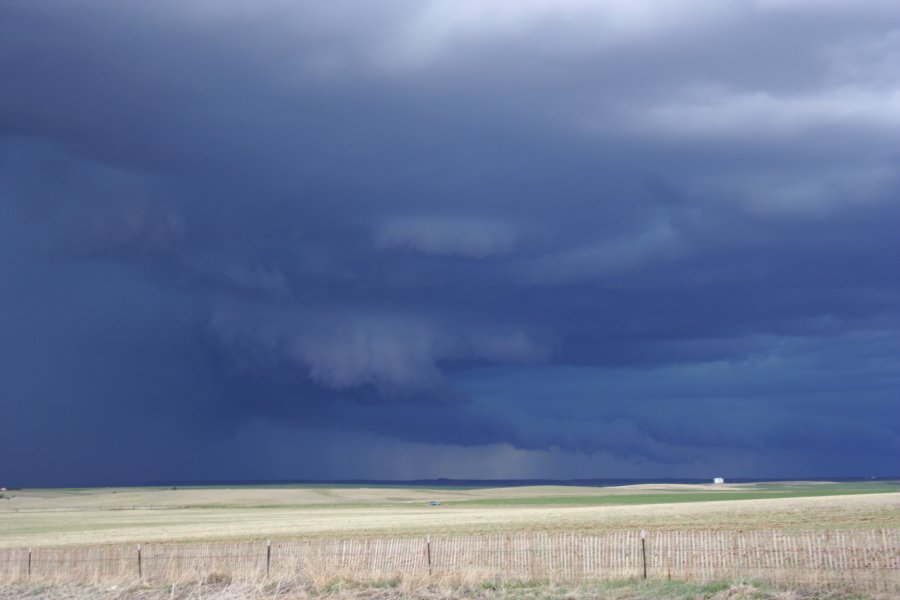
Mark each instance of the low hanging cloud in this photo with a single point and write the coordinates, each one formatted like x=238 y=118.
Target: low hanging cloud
x=729 y=113
x=466 y=237
x=659 y=244
x=78 y=206
x=500 y=348
x=397 y=355
x=814 y=195
x=234 y=271
x=394 y=355
x=436 y=30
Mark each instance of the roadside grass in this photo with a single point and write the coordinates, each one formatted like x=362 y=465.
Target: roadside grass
x=417 y=589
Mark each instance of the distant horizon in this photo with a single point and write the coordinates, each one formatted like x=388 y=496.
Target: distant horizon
x=444 y=481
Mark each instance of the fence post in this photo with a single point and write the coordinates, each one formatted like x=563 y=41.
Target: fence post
x=428 y=552
x=644 y=552
x=140 y=566
x=29 y=563
x=268 y=556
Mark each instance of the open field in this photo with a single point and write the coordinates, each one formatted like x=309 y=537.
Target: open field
x=101 y=516
x=302 y=496
x=813 y=535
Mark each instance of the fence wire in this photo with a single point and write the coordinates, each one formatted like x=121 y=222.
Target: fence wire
x=863 y=559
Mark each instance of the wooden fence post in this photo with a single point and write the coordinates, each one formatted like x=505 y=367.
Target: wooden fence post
x=644 y=552
x=428 y=552
x=29 y=563
x=140 y=566
x=268 y=556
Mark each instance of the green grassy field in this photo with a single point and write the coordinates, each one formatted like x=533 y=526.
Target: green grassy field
x=755 y=493
x=44 y=517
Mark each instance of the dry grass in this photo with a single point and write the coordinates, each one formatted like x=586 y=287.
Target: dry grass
x=248 y=497
x=76 y=519
x=51 y=520
x=867 y=559
x=414 y=589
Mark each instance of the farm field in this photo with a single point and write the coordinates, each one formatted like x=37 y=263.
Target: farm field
x=142 y=515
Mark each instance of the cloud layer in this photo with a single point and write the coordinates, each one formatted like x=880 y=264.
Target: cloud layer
x=567 y=238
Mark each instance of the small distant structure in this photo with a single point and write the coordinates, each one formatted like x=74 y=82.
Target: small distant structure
x=434 y=503
x=718 y=480
x=3 y=489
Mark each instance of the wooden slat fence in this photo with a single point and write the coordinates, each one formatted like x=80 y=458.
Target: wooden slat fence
x=860 y=559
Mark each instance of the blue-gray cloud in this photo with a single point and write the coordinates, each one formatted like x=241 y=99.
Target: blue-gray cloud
x=572 y=236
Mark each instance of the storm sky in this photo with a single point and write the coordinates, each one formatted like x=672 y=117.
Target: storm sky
x=448 y=238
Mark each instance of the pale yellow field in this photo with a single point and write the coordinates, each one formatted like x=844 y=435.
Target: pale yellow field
x=255 y=497
x=62 y=517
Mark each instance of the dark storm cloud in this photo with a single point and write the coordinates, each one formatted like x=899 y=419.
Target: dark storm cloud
x=577 y=238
